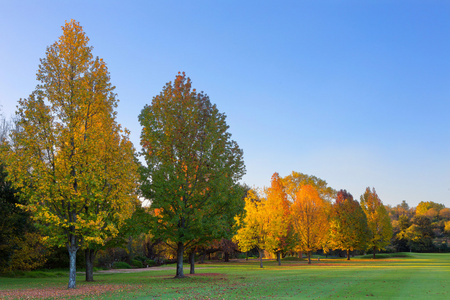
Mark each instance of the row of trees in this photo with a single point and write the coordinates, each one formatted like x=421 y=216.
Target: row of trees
x=296 y=214
x=76 y=173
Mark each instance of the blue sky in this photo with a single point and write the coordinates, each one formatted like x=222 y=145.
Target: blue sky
x=354 y=92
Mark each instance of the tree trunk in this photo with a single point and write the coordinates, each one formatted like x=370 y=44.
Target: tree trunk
x=261 y=252
x=192 y=262
x=246 y=255
x=300 y=254
x=89 y=255
x=279 y=258
x=180 y=252
x=348 y=254
x=309 y=257
x=373 y=252
x=202 y=258
x=73 y=264
x=226 y=257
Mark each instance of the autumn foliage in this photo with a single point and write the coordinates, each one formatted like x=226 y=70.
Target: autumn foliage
x=70 y=159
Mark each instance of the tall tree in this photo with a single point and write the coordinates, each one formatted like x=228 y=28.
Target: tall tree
x=309 y=215
x=348 y=224
x=277 y=210
x=380 y=227
x=71 y=160
x=192 y=164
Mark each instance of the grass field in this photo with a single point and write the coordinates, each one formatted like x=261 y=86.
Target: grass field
x=417 y=276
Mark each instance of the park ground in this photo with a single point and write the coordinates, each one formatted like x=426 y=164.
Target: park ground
x=412 y=276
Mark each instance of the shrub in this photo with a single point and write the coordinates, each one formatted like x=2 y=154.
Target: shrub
x=137 y=263
x=150 y=262
x=120 y=265
x=140 y=258
x=241 y=256
x=293 y=258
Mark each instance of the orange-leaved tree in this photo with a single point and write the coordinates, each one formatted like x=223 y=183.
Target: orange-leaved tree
x=348 y=224
x=309 y=215
x=378 y=221
x=70 y=159
x=295 y=181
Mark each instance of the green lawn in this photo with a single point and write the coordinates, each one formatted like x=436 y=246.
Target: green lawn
x=418 y=276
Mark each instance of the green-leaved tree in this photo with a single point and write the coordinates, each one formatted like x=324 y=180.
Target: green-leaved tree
x=192 y=164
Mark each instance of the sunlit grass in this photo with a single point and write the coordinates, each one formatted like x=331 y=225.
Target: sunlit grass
x=416 y=276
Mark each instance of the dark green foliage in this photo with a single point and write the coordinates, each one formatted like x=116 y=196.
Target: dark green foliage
x=420 y=234
x=149 y=262
x=14 y=221
x=137 y=263
x=121 y=265
x=293 y=258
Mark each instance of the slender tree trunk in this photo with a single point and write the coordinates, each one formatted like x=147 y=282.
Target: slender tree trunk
x=373 y=252
x=73 y=263
x=192 y=262
x=202 y=258
x=89 y=255
x=246 y=255
x=261 y=252
x=279 y=258
x=300 y=254
x=309 y=257
x=348 y=254
x=226 y=257
x=180 y=252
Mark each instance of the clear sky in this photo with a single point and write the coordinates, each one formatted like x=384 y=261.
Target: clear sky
x=354 y=92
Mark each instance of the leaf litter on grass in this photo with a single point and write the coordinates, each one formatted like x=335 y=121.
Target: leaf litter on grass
x=82 y=291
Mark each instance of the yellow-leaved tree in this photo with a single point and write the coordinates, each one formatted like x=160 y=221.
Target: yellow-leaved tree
x=253 y=226
x=309 y=216
x=277 y=214
x=378 y=221
x=71 y=160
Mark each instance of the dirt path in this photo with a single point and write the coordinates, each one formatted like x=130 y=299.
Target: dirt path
x=142 y=270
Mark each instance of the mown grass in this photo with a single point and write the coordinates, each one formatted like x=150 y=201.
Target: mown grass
x=415 y=276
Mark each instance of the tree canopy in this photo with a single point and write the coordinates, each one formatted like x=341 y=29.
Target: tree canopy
x=192 y=164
